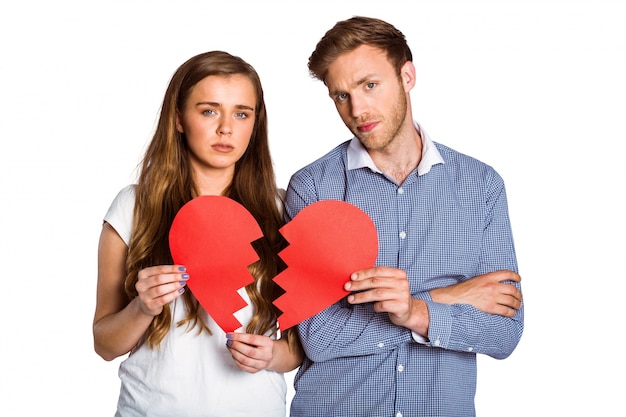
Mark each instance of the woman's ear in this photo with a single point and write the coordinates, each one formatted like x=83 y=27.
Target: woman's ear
x=179 y=125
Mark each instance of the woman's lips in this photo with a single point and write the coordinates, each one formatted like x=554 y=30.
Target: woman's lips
x=222 y=147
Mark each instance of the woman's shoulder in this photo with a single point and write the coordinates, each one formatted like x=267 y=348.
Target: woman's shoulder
x=127 y=192
x=124 y=199
x=120 y=212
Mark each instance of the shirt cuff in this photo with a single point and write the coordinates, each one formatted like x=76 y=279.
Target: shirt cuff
x=419 y=338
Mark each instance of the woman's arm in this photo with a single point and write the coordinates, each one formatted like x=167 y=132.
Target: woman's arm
x=119 y=324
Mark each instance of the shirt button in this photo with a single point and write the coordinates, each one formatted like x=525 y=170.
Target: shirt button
x=400 y=368
x=380 y=344
x=403 y=235
x=469 y=349
x=398 y=414
x=400 y=190
x=437 y=342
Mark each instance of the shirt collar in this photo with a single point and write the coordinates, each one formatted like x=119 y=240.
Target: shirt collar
x=359 y=158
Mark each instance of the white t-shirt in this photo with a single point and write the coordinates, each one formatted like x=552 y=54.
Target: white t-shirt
x=191 y=374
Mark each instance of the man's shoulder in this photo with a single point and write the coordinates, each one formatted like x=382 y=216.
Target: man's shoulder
x=468 y=170
x=454 y=158
x=333 y=158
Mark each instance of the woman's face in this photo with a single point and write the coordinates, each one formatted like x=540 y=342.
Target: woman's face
x=218 y=120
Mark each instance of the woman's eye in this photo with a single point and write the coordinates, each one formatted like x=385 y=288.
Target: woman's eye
x=208 y=112
x=241 y=115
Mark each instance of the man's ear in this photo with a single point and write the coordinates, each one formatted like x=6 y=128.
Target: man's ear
x=407 y=73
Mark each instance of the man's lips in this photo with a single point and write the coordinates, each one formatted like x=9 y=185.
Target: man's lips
x=366 y=127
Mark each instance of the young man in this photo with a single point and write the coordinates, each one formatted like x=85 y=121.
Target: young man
x=445 y=286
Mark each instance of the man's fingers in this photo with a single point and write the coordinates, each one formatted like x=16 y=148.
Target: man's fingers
x=396 y=283
x=507 y=275
x=378 y=271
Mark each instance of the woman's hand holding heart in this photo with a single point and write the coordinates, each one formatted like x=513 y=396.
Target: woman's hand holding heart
x=252 y=353
x=158 y=285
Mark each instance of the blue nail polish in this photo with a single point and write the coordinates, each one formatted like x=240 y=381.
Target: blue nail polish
x=229 y=335
x=182 y=268
x=229 y=343
x=182 y=290
x=185 y=276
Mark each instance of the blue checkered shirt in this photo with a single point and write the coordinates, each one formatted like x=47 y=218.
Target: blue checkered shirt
x=446 y=223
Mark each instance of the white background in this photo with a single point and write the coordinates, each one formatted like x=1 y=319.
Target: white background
x=534 y=88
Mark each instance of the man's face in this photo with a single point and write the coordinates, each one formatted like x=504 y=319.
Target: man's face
x=369 y=95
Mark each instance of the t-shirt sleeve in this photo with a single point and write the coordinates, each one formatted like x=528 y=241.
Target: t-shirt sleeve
x=280 y=201
x=120 y=213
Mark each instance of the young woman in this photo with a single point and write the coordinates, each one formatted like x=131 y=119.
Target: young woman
x=211 y=139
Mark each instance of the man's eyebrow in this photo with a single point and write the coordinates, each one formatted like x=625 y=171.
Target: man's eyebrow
x=358 y=82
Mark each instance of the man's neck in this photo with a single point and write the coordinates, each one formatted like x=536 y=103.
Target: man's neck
x=400 y=158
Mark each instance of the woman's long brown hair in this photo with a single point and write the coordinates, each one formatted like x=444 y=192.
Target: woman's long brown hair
x=165 y=184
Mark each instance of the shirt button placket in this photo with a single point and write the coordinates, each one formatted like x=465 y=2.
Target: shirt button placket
x=400 y=369
x=402 y=234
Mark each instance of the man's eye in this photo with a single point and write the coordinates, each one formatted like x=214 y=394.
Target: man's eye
x=369 y=86
x=342 y=97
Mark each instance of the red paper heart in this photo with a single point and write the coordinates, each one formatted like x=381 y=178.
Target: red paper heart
x=328 y=240
x=211 y=236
